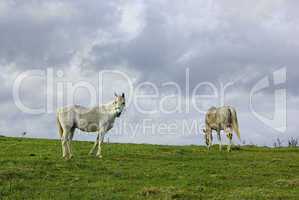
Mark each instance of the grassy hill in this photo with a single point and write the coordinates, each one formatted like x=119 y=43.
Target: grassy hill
x=33 y=169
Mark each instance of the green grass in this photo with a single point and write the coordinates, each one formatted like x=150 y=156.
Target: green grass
x=34 y=169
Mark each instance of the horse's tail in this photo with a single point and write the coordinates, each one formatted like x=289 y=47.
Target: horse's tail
x=235 y=124
x=60 y=130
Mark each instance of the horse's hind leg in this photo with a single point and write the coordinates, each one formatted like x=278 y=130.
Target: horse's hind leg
x=64 y=140
x=70 y=138
x=92 y=151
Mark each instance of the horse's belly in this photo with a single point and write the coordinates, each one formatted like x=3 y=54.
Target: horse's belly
x=94 y=126
x=89 y=129
x=87 y=124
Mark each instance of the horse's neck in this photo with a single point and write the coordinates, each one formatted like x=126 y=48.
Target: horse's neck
x=106 y=108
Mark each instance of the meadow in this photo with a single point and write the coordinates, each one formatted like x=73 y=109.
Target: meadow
x=34 y=169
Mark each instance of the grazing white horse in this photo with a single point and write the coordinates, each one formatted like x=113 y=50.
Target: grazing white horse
x=98 y=119
x=222 y=118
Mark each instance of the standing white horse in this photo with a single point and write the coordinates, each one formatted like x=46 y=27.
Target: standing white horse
x=97 y=119
x=222 y=118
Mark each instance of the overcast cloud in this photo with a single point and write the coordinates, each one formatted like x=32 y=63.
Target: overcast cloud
x=155 y=41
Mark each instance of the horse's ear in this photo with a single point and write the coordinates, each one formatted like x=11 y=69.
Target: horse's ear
x=123 y=95
x=115 y=94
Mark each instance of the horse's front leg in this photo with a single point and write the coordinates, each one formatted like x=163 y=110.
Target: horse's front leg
x=219 y=139
x=100 y=142
x=96 y=143
x=229 y=135
x=210 y=140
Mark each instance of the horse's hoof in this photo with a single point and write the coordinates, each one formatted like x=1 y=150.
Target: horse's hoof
x=99 y=156
x=67 y=157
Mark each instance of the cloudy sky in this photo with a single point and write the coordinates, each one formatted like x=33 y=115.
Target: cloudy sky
x=171 y=52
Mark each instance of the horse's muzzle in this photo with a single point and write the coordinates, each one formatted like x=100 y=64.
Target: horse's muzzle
x=118 y=114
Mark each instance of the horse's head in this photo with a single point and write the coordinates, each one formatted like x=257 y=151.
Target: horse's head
x=119 y=103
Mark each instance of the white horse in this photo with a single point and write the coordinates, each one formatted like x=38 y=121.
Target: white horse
x=98 y=119
x=222 y=118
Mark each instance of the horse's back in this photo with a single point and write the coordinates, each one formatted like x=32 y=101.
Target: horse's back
x=220 y=117
x=69 y=115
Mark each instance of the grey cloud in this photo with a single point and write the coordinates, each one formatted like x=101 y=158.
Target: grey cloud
x=217 y=41
x=234 y=44
x=33 y=35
